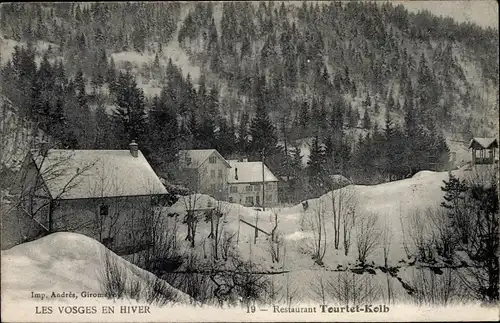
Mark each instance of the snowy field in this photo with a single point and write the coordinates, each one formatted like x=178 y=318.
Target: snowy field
x=72 y=262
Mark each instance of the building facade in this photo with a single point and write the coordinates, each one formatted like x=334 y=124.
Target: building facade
x=204 y=171
x=108 y=195
x=484 y=150
x=252 y=184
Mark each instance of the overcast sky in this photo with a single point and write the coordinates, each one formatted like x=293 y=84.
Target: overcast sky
x=482 y=12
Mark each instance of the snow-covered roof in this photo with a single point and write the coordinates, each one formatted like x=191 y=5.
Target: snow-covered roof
x=199 y=156
x=485 y=143
x=249 y=172
x=76 y=174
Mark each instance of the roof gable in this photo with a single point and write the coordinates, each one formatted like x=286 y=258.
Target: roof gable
x=484 y=143
x=249 y=172
x=199 y=156
x=76 y=174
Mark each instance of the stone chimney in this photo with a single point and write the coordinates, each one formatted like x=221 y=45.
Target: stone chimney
x=134 y=148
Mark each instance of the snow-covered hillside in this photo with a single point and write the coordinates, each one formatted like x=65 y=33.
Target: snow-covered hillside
x=66 y=256
x=72 y=262
x=62 y=262
x=393 y=203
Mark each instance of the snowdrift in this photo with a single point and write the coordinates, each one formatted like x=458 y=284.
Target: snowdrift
x=62 y=262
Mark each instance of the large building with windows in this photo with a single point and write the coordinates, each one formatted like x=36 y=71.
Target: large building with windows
x=108 y=195
x=252 y=184
x=237 y=181
x=204 y=171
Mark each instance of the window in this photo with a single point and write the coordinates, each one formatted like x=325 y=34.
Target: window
x=212 y=160
x=103 y=210
x=188 y=160
x=256 y=188
x=212 y=188
x=234 y=189
x=212 y=174
x=249 y=200
x=220 y=173
x=231 y=199
x=248 y=188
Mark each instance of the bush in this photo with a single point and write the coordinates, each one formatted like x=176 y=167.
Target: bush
x=116 y=284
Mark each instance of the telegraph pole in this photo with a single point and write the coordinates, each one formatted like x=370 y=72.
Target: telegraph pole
x=263 y=183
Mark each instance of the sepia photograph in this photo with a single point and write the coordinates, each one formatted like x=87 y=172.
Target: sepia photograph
x=249 y=161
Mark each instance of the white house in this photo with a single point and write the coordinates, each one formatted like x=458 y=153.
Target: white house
x=204 y=171
x=108 y=195
x=245 y=181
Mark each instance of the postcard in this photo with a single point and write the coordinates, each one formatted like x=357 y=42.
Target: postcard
x=249 y=161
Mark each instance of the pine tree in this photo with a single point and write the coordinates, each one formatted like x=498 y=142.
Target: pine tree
x=316 y=166
x=163 y=136
x=263 y=133
x=243 y=132
x=226 y=138
x=368 y=101
x=366 y=120
x=304 y=115
x=454 y=190
x=129 y=115
x=390 y=102
x=103 y=135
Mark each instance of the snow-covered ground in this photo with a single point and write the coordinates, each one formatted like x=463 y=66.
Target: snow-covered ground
x=61 y=262
x=66 y=262
x=392 y=203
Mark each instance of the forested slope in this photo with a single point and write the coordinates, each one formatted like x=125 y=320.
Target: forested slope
x=376 y=87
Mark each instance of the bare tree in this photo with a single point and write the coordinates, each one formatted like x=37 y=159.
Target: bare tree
x=194 y=179
x=481 y=277
x=108 y=212
x=336 y=209
x=290 y=292
x=38 y=175
x=227 y=245
x=420 y=235
x=443 y=235
x=315 y=221
x=390 y=292
x=275 y=291
x=352 y=289
x=367 y=235
x=402 y=222
x=386 y=237
x=347 y=204
x=160 y=231
x=344 y=203
x=319 y=289
x=276 y=240
x=436 y=289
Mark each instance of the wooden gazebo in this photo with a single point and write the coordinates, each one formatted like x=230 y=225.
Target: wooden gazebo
x=486 y=148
